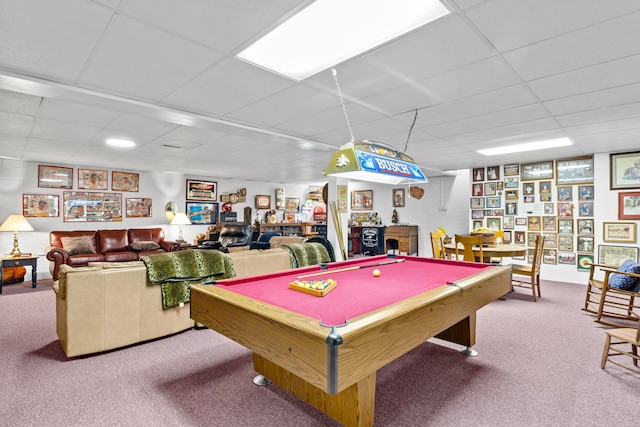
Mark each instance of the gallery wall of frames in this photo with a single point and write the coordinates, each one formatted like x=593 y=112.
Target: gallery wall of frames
x=558 y=198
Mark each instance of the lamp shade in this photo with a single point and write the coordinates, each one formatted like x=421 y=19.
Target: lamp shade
x=16 y=222
x=374 y=162
x=180 y=218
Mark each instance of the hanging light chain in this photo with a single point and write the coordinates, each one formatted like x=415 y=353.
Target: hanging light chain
x=344 y=107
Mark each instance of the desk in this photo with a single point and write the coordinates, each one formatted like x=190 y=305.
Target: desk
x=497 y=250
x=405 y=235
x=372 y=321
x=9 y=261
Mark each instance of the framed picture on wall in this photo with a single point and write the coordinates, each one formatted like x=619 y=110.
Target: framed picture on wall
x=398 y=197
x=291 y=205
x=478 y=174
x=138 y=207
x=620 y=232
x=91 y=206
x=125 y=181
x=535 y=171
x=55 y=177
x=625 y=170
x=584 y=262
x=362 y=200
x=92 y=179
x=202 y=213
x=40 y=205
x=574 y=171
x=206 y=191
x=263 y=202
x=616 y=255
x=511 y=170
x=493 y=173
x=629 y=205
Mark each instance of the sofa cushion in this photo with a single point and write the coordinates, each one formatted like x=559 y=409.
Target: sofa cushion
x=621 y=281
x=78 y=245
x=112 y=241
x=144 y=245
x=120 y=256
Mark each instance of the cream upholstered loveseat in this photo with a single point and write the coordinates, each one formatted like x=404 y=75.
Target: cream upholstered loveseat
x=105 y=306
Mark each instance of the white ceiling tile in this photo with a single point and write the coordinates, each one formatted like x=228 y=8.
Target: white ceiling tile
x=627 y=94
x=144 y=125
x=51 y=39
x=244 y=84
x=601 y=115
x=19 y=103
x=138 y=60
x=72 y=112
x=578 y=49
x=15 y=124
x=512 y=24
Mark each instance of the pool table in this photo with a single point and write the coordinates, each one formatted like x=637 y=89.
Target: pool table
x=326 y=350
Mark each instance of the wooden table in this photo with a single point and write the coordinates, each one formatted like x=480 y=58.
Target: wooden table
x=326 y=350
x=10 y=261
x=488 y=251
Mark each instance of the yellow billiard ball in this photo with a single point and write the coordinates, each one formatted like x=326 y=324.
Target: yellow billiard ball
x=376 y=273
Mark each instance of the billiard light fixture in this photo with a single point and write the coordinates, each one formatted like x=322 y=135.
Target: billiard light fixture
x=328 y=32
x=15 y=223
x=180 y=219
x=374 y=162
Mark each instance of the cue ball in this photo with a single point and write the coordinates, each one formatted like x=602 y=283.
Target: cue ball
x=376 y=273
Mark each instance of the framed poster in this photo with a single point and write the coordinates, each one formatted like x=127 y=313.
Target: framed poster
x=490 y=189
x=202 y=213
x=565 y=226
x=584 y=262
x=493 y=202
x=511 y=182
x=125 y=181
x=565 y=242
x=493 y=224
x=138 y=208
x=478 y=174
x=585 y=244
x=511 y=170
x=280 y=202
x=568 y=258
x=511 y=195
x=585 y=192
x=362 y=200
x=620 y=232
x=616 y=255
x=521 y=221
x=398 y=197
x=585 y=226
x=574 y=171
x=545 y=187
x=565 y=210
x=86 y=206
x=40 y=205
x=528 y=188
x=549 y=223
x=508 y=223
x=625 y=170
x=206 y=191
x=477 y=203
x=629 y=205
x=263 y=202
x=534 y=223
x=493 y=173
x=585 y=209
x=565 y=194
x=55 y=177
x=476 y=190
x=535 y=171
x=92 y=179
x=291 y=205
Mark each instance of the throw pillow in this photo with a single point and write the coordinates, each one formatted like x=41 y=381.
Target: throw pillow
x=78 y=245
x=620 y=281
x=144 y=245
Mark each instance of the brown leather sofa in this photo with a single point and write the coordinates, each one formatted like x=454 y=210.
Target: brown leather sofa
x=79 y=248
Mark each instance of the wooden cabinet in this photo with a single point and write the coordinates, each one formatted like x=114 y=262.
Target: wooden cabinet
x=405 y=239
x=284 y=228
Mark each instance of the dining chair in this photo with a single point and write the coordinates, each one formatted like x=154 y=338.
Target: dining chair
x=613 y=346
x=616 y=295
x=437 y=244
x=498 y=236
x=532 y=272
x=468 y=243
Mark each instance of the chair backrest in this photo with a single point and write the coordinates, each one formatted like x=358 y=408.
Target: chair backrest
x=437 y=244
x=499 y=234
x=538 y=253
x=468 y=242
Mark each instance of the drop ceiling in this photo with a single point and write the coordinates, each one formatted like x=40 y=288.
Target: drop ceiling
x=164 y=74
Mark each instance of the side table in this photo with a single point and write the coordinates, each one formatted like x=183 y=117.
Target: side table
x=29 y=260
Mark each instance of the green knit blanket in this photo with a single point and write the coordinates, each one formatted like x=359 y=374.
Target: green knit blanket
x=306 y=254
x=176 y=271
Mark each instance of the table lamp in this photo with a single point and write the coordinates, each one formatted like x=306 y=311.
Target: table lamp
x=180 y=219
x=15 y=223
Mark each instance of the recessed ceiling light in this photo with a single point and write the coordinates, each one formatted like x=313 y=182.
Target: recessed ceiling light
x=530 y=146
x=328 y=32
x=120 y=143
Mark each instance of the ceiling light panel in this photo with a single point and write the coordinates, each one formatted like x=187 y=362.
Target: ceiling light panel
x=328 y=32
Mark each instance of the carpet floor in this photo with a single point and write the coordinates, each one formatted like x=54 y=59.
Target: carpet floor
x=539 y=365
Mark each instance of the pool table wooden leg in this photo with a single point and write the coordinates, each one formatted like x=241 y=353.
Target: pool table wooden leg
x=352 y=407
x=463 y=332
